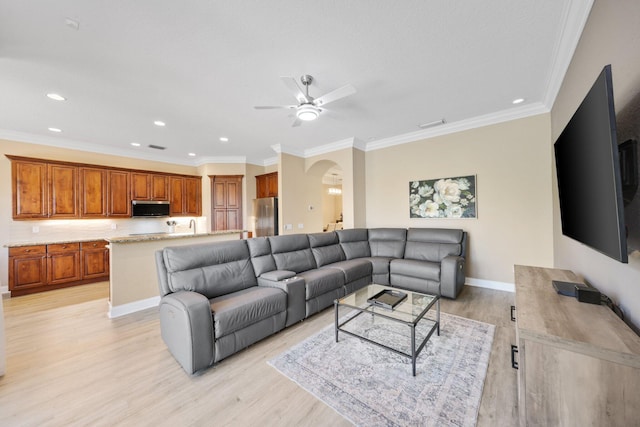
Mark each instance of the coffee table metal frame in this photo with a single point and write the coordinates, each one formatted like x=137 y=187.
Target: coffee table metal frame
x=395 y=315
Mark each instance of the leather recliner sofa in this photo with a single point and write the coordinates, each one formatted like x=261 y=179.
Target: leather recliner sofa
x=218 y=298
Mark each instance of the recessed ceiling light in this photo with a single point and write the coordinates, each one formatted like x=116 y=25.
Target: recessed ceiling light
x=135 y=144
x=56 y=97
x=518 y=101
x=159 y=123
x=192 y=154
x=224 y=139
x=55 y=130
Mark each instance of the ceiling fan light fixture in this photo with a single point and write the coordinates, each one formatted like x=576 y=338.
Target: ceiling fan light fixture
x=307 y=112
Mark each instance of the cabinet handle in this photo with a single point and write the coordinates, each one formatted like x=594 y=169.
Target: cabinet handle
x=513 y=309
x=514 y=350
x=64 y=246
x=95 y=244
x=27 y=250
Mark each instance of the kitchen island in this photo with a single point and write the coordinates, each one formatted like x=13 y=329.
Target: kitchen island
x=133 y=280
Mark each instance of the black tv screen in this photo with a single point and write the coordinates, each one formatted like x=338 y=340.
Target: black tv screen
x=588 y=171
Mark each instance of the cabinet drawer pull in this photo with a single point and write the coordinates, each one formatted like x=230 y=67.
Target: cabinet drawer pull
x=64 y=246
x=514 y=350
x=27 y=250
x=513 y=309
x=95 y=244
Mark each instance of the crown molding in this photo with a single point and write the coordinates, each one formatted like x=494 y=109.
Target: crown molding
x=576 y=14
x=222 y=159
x=328 y=148
x=287 y=149
x=528 y=110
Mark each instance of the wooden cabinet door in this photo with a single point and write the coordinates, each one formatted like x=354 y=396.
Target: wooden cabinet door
x=176 y=195
x=160 y=187
x=63 y=263
x=226 y=202
x=30 y=190
x=27 y=267
x=261 y=187
x=119 y=194
x=93 y=191
x=272 y=184
x=95 y=260
x=63 y=191
x=140 y=186
x=192 y=196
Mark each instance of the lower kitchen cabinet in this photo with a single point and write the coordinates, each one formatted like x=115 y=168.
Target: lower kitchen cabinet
x=40 y=268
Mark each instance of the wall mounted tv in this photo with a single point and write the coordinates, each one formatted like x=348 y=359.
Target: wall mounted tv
x=588 y=171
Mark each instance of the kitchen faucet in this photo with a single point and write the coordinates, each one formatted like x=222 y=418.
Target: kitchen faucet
x=193 y=221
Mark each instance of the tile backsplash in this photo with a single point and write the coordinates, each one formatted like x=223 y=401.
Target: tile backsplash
x=52 y=230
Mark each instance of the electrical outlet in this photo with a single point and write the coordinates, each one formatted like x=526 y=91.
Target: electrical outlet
x=300 y=225
x=114 y=226
x=35 y=229
x=288 y=226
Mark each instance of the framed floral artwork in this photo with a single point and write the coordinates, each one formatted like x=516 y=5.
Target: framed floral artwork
x=443 y=198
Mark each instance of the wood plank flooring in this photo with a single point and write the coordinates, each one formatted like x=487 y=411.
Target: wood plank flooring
x=69 y=364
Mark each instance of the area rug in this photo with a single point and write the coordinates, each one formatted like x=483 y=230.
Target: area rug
x=372 y=386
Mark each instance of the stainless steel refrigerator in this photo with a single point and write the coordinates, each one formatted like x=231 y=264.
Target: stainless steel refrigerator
x=265 y=212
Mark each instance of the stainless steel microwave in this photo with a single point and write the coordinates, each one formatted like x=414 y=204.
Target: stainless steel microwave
x=143 y=208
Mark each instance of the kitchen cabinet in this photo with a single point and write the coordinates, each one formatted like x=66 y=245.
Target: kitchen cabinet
x=93 y=191
x=51 y=189
x=185 y=196
x=119 y=203
x=40 y=268
x=30 y=190
x=267 y=185
x=27 y=267
x=148 y=186
x=63 y=191
x=63 y=263
x=95 y=259
x=226 y=202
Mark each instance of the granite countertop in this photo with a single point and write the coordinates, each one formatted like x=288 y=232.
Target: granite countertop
x=166 y=236
x=125 y=239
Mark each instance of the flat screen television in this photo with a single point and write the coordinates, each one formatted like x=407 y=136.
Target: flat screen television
x=588 y=172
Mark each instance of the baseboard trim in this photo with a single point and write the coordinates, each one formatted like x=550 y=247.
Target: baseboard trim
x=490 y=284
x=132 y=307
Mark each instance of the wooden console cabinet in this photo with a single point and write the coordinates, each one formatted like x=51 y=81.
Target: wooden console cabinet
x=578 y=363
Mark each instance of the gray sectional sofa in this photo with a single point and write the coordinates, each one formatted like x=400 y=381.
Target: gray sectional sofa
x=218 y=298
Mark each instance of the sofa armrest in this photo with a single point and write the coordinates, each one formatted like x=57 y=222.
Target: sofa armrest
x=452 y=275
x=186 y=325
x=295 y=289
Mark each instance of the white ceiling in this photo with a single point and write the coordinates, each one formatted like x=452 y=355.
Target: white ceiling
x=201 y=66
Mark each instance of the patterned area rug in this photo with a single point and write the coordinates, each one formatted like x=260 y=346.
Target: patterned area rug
x=372 y=386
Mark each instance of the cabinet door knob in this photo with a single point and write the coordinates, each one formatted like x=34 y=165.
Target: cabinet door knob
x=27 y=250
x=64 y=246
x=95 y=244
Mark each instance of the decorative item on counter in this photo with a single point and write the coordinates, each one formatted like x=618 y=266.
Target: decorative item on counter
x=172 y=226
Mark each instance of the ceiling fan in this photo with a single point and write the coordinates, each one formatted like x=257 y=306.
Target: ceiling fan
x=308 y=107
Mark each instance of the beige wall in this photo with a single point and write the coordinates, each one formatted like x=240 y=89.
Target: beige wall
x=512 y=164
x=611 y=36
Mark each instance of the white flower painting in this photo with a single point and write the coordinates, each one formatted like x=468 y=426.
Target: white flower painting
x=443 y=198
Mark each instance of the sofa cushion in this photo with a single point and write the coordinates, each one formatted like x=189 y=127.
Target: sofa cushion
x=325 y=248
x=387 y=242
x=320 y=281
x=237 y=310
x=433 y=244
x=353 y=269
x=261 y=257
x=211 y=269
x=354 y=242
x=292 y=252
x=420 y=269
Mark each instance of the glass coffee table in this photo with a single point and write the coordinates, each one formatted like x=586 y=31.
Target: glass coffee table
x=397 y=329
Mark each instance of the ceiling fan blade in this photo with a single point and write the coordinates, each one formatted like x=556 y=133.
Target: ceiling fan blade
x=290 y=82
x=334 y=95
x=297 y=122
x=274 y=107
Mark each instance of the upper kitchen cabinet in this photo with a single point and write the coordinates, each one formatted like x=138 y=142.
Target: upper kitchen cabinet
x=30 y=190
x=93 y=191
x=185 y=196
x=149 y=186
x=119 y=204
x=63 y=191
x=267 y=185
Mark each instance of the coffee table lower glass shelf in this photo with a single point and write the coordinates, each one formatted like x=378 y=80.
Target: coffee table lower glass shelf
x=397 y=329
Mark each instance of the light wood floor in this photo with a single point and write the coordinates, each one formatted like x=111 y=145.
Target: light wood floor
x=69 y=364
